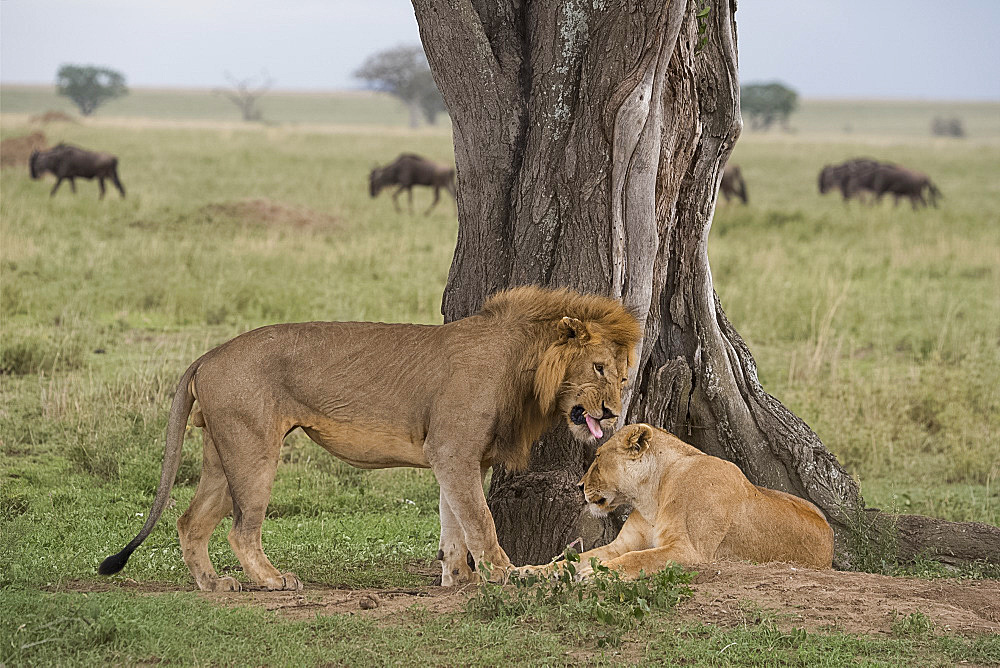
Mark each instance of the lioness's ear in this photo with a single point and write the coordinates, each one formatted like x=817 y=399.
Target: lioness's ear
x=571 y=328
x=639 y=440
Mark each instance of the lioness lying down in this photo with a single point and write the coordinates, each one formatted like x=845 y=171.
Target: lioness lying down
x=456 y=398
x=691 y=508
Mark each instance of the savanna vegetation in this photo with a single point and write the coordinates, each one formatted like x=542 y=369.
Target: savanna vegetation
x=880 y=327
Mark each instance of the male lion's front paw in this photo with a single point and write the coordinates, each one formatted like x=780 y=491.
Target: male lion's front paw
x=457 y=576
x=290 y=582
x=283 y=582
x=220 y=584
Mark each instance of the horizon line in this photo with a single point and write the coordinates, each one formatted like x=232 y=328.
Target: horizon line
x=359 y=89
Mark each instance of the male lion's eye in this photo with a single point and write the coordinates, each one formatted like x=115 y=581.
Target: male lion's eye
x=599 y=368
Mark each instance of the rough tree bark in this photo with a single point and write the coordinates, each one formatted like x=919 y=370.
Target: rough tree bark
x=590 y=139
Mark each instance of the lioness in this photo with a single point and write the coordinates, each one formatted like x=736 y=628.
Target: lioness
x=456 y=398
x=691 y=508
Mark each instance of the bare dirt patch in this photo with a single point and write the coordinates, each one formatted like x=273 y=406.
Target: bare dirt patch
x=52 y=117
x=851 y=602
x=371 y=603
x=726 y=595
x=16 y=151
x=269 y=213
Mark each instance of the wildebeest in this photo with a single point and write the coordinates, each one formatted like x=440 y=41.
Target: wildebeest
x=70 y=162
x=851 y=177
x=859 y=175
x=903 y=182
x=733 y=184
x=410 y=170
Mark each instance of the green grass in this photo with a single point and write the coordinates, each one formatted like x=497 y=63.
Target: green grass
x=120 y=628
x=878 y=326
x=833 y=120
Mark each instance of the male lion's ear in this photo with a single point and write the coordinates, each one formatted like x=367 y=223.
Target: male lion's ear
x=639 y=439
x=572 y=328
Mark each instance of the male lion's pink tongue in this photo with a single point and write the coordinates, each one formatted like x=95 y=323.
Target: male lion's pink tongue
x=594 y=426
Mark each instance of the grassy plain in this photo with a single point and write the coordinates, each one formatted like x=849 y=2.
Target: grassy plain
x=879 y=326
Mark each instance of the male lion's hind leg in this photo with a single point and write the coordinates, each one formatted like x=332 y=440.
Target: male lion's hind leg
x=452 y=551
x=251 y=460
x=210 y=504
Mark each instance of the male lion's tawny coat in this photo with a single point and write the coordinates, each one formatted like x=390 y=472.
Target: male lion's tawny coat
x=690 y=508
x=456 y=398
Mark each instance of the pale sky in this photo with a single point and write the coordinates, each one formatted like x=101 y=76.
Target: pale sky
x=822 y=48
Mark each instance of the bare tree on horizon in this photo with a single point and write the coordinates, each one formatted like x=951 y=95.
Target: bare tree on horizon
x=246 y=93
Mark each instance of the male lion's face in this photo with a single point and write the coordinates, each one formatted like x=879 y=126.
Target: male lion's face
x=582 y=376
x=619 y=470
x=591 y=400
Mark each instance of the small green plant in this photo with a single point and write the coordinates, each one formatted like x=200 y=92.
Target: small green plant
x=913 y=624
x=13 y=504
x=873 y=542
x=702 y=17
x=603 y=596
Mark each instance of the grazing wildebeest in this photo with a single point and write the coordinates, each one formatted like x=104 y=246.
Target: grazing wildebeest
x=851 y=177
x=69 y=162
x=410 y=170
x=903 y=182
x=733 y=184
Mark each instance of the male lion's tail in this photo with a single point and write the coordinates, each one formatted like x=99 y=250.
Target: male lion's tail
x=176 y=425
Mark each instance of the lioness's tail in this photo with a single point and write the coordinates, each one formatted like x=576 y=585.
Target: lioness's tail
x=176 y=425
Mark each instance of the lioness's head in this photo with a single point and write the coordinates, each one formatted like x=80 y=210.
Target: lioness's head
x=621 y=467
x=582 y=375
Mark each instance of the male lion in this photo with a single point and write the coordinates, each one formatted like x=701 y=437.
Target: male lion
x=456 y=398
x=691 y=508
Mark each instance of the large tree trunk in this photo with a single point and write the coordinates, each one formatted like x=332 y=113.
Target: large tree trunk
x=589 y=143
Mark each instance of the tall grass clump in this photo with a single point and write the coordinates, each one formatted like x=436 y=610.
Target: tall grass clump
x=35 y=352
x=616 y=605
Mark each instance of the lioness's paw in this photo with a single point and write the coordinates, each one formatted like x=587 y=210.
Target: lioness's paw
x=221 y=584
x=541 y=571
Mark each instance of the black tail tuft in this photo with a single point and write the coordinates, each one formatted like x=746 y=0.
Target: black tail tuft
x=114 y=563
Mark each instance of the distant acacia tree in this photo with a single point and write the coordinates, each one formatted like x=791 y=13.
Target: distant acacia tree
x=403 y=73
x=89 y=86
x=767 y=103
x=246 y=93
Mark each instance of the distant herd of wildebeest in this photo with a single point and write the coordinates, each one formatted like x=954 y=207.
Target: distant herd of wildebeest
x=856 y=178
x=861 y=178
